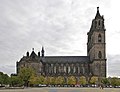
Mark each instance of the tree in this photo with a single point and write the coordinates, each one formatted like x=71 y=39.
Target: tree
x=105 y=81
x=16 y=81
x=59 y=80
x=25 y=74
x=50 y=80
x=33 y=80
x=94 y=80
x=83 y=80
x=1 y=78
x=115 y=81
x=4 y=78
x=41 y=80
x=71 y=80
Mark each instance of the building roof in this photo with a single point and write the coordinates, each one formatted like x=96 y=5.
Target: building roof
x=65 y=59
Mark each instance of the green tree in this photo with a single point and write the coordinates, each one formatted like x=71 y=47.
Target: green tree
x=25 y=74
x=16 y=81
x=105 y=81
x=4 y=78
x=115 y=81
x=1 y=78
x=83 y=80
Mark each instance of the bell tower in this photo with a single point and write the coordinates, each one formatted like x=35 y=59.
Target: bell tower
x=96 y=46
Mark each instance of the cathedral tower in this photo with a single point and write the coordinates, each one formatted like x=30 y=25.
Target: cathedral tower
x=96 y=46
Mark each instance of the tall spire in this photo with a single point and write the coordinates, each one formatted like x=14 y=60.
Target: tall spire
x=32 y=49
x=42 y=51
x=98 y=14
x=98 y=9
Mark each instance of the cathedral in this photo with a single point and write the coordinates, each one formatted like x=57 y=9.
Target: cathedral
x=93 y=64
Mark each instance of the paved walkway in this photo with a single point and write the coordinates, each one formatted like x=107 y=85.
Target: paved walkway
x=62 y=90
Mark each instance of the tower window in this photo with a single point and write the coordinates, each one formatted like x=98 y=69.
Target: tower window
x=100 y=55
x=99 y=38
x=99 y=22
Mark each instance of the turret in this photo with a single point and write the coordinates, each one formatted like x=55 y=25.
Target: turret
x=27 y=54
x=39 y=54
x=42 y=51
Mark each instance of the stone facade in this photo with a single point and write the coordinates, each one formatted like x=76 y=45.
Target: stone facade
x=94 y=64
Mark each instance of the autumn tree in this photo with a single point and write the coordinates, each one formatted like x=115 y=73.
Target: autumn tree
x=25 y=74
x=83 y=80
x=71 y=80
x=93 y=80
x=41 y=80
x=59 y=80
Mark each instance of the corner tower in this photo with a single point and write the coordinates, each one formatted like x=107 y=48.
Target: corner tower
x=96 y=46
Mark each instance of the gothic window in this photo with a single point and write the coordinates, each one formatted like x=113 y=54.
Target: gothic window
x=77 y=69
x=74 y=69
x=59 y=69
x=40 y=69
x=99 y=22
x=99 y=55
x=68 y=69
x=99 y=38
x=83 y=70
x=65 y=69
x=54 y=69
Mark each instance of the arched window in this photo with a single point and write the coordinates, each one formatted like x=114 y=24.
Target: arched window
x=54 y=69
x=65 y=69
x=74 y=70
x=68 y=69
x=99 y=38
x=99 y=55
x=99 y=22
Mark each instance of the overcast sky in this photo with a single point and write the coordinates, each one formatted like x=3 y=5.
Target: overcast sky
x=60 y=26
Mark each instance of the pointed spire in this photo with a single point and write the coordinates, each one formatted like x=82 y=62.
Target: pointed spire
x=32 y=49
x=42 y=48
x=33 y=54
x=39 y=53
x=42 y=51
x=27 y=54
x=98 y=14
x=98 y=9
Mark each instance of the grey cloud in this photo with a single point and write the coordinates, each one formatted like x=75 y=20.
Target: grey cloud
x=113 y=63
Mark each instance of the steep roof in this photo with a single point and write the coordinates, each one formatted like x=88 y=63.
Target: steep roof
x=65 y=59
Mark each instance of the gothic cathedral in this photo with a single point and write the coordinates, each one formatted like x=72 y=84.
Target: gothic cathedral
x=94 y=64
